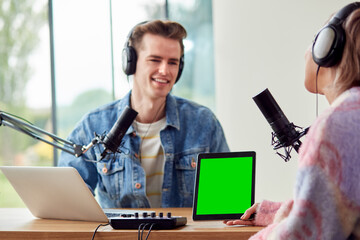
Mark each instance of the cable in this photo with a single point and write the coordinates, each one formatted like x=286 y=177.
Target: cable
x=143 y=137
x=93 y=237
x=142 y=226
x=142 y=231
x=149 y=231
x=139 y=230
x=112 y=51
x=316 y=91
x=13 y=115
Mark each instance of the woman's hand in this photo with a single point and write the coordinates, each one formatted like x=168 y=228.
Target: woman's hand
x=246 y=218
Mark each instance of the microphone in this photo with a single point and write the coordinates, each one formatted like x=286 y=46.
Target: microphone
x=285 y=134
x=113 y=139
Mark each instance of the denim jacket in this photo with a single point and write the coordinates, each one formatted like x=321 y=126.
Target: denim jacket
x=120 y=179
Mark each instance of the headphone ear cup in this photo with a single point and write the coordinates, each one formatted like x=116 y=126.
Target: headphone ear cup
x=181 y=67
x=129 y=60
x=328 y=46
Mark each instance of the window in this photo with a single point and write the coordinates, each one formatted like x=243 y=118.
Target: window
x=24 y=86
x=198 y=80
x=88 y=37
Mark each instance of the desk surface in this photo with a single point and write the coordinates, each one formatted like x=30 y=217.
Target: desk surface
x=19 y=223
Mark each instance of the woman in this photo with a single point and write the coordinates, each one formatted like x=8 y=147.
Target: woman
x=326 y=203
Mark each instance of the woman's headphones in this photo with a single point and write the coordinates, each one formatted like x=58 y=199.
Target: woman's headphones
x=329 y=43
x=129 y=57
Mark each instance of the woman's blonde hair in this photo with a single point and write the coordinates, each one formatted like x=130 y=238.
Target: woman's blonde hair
x=348 y=70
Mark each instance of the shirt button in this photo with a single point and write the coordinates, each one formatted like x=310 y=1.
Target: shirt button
x=138 y=185
x=104 y=170
x=136 y=155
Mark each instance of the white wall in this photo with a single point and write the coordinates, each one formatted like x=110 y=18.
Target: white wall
x=261 y=44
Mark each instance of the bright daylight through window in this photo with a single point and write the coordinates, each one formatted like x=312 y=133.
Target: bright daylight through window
x=88 y=37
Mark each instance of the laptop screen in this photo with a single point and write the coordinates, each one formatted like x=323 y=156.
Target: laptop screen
x=224 y=186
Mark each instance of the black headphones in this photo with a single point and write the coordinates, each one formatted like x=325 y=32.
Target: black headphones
x=329 y=43
x=129 y=57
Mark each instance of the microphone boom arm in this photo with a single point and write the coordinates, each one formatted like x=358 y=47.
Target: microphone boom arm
x=33 y=131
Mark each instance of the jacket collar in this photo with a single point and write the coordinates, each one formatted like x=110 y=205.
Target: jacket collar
x=172 y=113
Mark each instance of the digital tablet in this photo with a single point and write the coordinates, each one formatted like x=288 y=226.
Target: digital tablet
x=224 y=185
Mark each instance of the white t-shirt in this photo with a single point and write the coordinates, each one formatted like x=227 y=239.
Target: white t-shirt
x=152 y=158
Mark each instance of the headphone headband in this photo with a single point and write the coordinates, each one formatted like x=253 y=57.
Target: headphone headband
x=343 y=13
x=329 y=42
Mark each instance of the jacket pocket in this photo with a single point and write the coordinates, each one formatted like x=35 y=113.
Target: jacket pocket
x=111 y=176
x=185 y=165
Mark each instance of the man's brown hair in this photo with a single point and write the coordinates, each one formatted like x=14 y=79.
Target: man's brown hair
x=167 y=29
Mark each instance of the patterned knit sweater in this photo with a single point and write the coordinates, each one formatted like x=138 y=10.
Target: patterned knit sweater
x=326 y=203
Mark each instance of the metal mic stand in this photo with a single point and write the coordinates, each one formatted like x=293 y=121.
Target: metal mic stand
x=289 y=144
x=33 y=131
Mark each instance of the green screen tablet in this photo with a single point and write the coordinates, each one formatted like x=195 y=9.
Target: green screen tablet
x=224 y=185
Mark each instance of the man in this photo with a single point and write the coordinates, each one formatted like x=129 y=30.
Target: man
x=157 y=160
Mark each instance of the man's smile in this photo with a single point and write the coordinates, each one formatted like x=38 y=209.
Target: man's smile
x=160 y=80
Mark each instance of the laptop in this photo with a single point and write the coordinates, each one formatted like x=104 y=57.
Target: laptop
x=59 y=193
x=224 y=185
